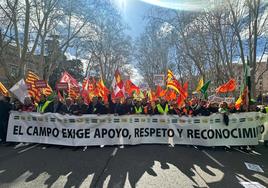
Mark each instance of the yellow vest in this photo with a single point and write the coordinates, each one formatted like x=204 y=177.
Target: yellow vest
x=161 y=110
x=138 y=110
x=43 y=107
x=266 y=109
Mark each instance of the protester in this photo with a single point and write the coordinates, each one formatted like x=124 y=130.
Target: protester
x=114 y=107
x=162 y=107
x=138 y=108
x=97 y=106
x=69 y=106
x=202 y=109
x=225 y=112
x=56 y=106
x=28 y=105
x=43 y=104
x=80 y=107
x=5 y=108
x=213 y=107
x=17 y=105
x=127 y=107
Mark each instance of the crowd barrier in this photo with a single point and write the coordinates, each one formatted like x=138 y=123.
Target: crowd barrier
x=90 y=130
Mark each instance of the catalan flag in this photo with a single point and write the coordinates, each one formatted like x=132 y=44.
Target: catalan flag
x=33 y=91
x=3 y=90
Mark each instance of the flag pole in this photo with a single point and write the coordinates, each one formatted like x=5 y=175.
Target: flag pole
x=248 y=81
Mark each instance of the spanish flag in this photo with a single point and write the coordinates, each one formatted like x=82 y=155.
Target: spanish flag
x=3 y=90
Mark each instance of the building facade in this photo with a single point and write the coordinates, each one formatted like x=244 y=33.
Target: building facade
x=261 y=79
x=11 y=58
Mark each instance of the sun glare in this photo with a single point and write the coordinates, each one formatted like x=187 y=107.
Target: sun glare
x=190 y=5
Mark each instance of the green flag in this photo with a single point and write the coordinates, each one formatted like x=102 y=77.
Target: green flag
x=204 y=88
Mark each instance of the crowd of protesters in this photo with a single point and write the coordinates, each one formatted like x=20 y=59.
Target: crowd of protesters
x=193 y=107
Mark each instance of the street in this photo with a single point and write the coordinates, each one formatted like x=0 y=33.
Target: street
x=37 y=165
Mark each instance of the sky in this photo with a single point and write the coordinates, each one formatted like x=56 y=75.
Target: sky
x=133 y=11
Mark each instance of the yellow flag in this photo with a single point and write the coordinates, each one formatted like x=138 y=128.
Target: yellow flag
x=200 y=85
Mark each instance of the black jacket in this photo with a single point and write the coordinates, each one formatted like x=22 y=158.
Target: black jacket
x=59 y=108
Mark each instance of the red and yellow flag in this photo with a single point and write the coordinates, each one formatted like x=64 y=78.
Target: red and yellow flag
x=32 y=90
x=130 y=88
x=173 y=83
x=243 y=99
x=3 y=90
x=74 y=90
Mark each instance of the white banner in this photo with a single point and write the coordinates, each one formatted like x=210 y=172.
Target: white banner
x=86 y=130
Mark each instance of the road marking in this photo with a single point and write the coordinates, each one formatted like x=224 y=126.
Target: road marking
x=213 y=159
x=29 y=148
x=114 y=152
x=240 y=151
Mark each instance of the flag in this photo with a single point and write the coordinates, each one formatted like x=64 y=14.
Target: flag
x=73 y=85
x=200 y=85
x=181 y=98
x=47 y=91
x=103 y=91
x=170 y=95
x=160 y=92
x=67 y=78
x=185 y=88
x=20 y=90
x=204 y=88
x=118 y=85
x=130 y=88
x=227 y=87
x=243 y=98
x=174 y=84
x=170 y=75
x=3 y=90
x=36 y=92
x=180 y=101
x=32 y=90
x=85 y=90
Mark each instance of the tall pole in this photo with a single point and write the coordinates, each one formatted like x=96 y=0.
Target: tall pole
x=248 y=81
